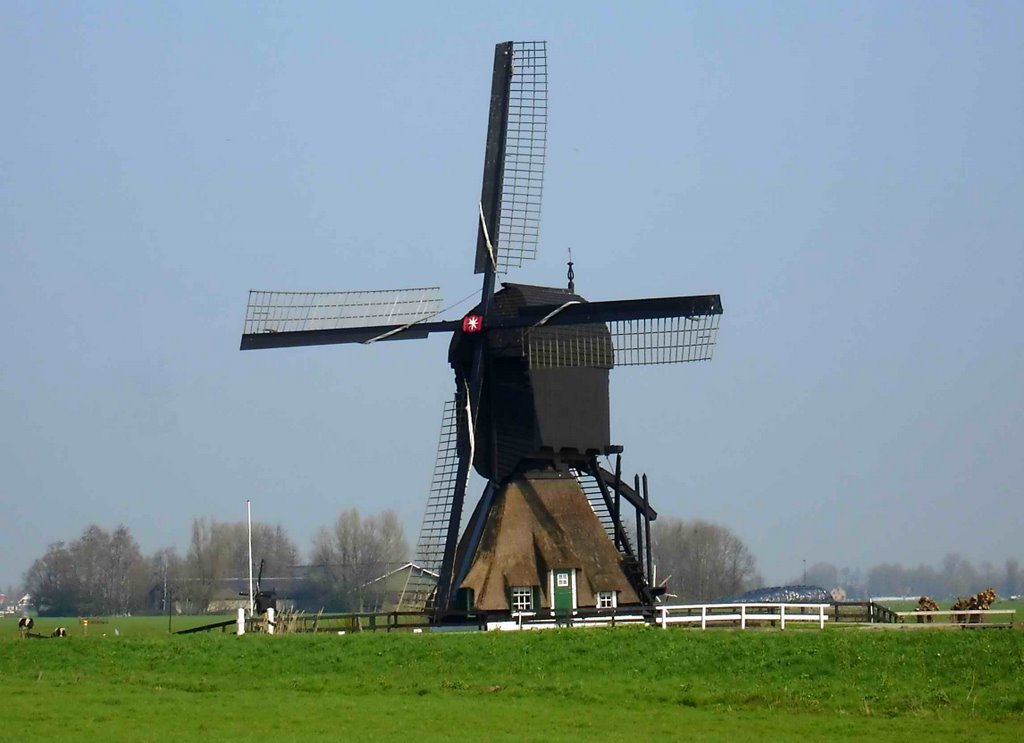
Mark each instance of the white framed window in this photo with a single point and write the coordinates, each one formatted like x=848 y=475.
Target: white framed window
x=606 y=600
x=522 y=598
x=562 y=580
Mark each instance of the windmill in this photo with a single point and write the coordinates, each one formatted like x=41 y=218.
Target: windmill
x=262 y=599
x=531 y=410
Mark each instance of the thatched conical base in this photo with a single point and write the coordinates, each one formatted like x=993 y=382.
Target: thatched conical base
x=537 y=524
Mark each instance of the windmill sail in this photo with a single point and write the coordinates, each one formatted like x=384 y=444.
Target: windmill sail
x=434 y=531
x=285 y=312
x=632 y=332
x=658 y=340
x=514 y=158
x=526 y=136
x=664 y=340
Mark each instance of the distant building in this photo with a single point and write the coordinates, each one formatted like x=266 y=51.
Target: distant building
x=406 y=588
x=232 y=594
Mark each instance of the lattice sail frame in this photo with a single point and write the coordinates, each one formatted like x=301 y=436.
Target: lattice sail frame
x=526 y=137
x=434 y=530
x=595 y=497
x=279 y=312
x=661 y=340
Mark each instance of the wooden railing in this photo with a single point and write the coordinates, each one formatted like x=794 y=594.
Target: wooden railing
x=741 y=614
x=861 y=612
x=705 y=614
x=579 y=617
x=963 y=617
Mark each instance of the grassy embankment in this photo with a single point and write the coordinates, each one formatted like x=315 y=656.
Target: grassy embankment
x=565 y=684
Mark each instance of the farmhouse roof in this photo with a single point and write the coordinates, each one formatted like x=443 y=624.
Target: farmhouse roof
x=414 y=566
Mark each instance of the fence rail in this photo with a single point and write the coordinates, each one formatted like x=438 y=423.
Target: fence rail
x=868 y=612
x=582 y=617
x=962 y=616
x=743 y=613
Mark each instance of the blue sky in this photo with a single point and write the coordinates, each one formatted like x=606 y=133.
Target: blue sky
x=849 y=178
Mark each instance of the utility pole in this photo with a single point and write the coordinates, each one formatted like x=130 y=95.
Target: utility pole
x=248 y=516
x=166 y=606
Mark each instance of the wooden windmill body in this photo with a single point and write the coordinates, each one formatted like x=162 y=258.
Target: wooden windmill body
x=531 y=409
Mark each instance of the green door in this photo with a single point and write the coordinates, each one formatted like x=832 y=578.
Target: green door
x=563 y=603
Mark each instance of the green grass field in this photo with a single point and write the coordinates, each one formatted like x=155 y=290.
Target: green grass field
x=568 y=684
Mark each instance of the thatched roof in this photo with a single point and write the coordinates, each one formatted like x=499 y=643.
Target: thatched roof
x=538 y=523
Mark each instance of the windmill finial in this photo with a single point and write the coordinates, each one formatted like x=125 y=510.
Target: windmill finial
x=571 y=274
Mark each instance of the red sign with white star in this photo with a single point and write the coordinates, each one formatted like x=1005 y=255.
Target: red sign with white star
x=472 y=323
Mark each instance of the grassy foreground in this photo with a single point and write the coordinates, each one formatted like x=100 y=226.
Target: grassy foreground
x=566 y=684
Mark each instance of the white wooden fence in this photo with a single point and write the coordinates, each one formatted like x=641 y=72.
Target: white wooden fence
x=702 y=614
x=706 y=614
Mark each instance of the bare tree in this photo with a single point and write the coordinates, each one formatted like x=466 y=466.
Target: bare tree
x=1012 y=583
x=100 y=573
x=52 y=583
x=961 y=577
x=702 y=561
x=167 y=581
x=127 y=576
x=220 y=550
x=822 y=574
x=356 y=551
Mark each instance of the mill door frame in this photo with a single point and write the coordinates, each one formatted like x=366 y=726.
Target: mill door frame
x=562 y=583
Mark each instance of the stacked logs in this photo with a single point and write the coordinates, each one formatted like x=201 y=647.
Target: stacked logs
x=982 y=600
x=960 y=603
x=926 y=603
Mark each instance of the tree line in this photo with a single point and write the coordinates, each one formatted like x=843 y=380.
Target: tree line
x=105 y=572
x=953 y=577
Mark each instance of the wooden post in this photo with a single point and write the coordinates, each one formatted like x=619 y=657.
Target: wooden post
x=270 y=620
x=639 y=529
x=782 y=616
x=821 y=617
x=618 y=499
x=240 y=630
x=647 y=534
x=743 y=616
x=704 y=617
